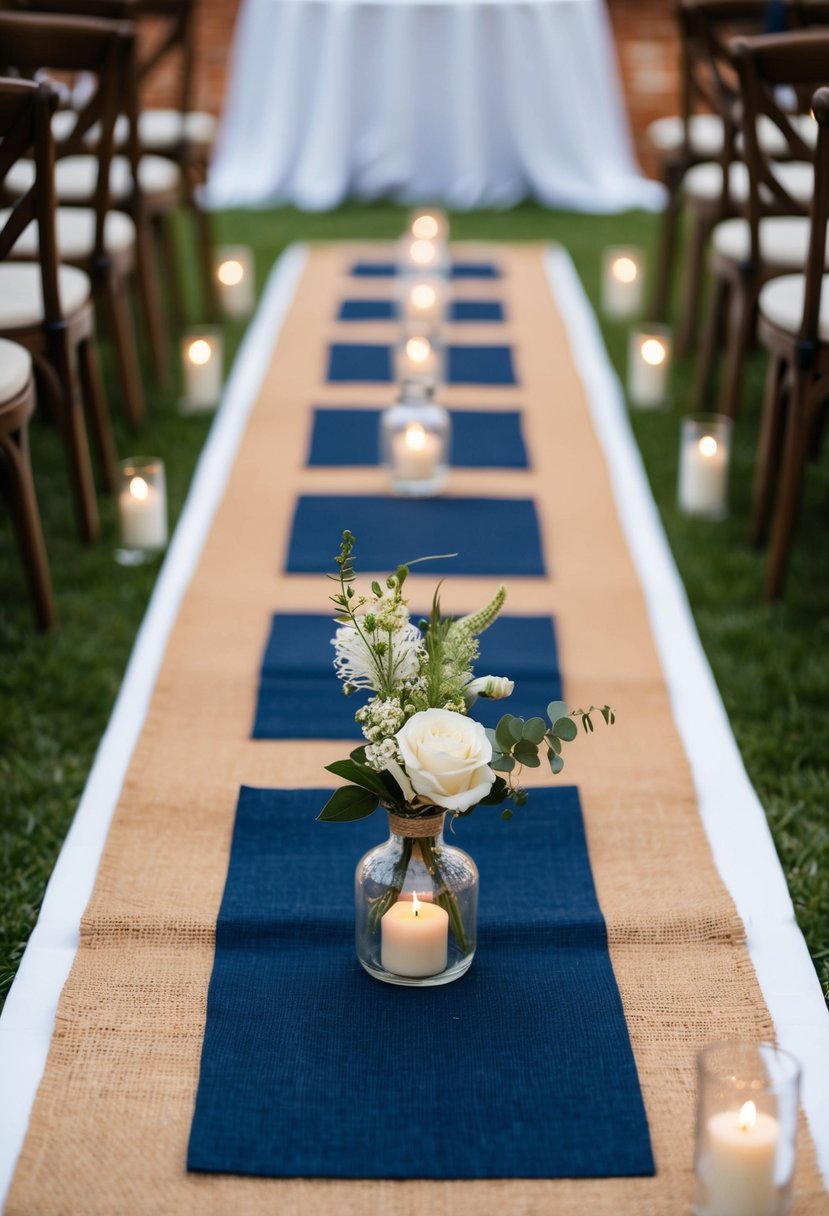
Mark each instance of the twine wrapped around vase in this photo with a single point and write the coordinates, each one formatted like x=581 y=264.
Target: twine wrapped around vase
x=416 y=829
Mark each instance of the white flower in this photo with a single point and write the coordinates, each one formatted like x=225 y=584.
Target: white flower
x=495 y=688
x=359 y=665
x=446 y=756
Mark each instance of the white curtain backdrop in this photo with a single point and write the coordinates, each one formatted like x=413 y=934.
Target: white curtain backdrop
x=473 y=103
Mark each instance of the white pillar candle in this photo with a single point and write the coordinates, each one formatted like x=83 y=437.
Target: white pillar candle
x=649 y=356
x=423 y=300
x=202 y=367
x=742 y=1145
x=429 y=225
x=703 y=476
x=622 y=283
x=414 y=938
x=418 y=359
x=142 y=507
x=416 y=454
x=418 y=253
x=235 y=280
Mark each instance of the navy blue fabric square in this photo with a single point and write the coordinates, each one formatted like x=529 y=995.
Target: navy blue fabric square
x=480 y=440
x=367 y=310
x=459 y=270
x=372 y=363
x=497 y=536
x=310 y=1068
x=300 y=697
x=476 y=310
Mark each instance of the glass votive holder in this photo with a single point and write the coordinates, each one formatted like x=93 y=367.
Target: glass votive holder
x=415 y=436
x=747 y=1103
x=142 y=509
x=419 y=254
x=649 y=361
x=623 y=278
x=419 y=357
x=233 y=268
x=429 y=224
x=422 y=301
x=201 y=365
x=704 y=457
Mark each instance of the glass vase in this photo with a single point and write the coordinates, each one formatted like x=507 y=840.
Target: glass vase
x=416 y=903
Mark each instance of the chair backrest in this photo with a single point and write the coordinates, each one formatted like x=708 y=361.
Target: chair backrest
x=26 y=111
x=709 y=81
x=815 y=267
x=797 y=61
x=33 y=42
x=170 y=34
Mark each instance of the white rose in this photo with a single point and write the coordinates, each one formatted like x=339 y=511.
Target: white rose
x=494 y=688
x=446 y=756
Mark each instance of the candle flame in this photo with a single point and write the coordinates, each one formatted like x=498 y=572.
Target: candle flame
x=199 y=352
x=139 y=488
x=415 y=904
x=415 y=437
x=423 y=252
x=425 y=227
x=747 y=1117
x=654 y=352
x=423 y=296
x=230 y=273
x=418 y=349
x=708 y=446
x=624 y=269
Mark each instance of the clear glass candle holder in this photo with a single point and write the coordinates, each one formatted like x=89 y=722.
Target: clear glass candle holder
x=623 y=280
x=417 y=254
x=233 y=268
x=419 y=358
x=415 y=437
x=747 y=1104
x=649 y=363
x=202 y=370
x=429 y=224
x=142 y=509
x=416 y=905
x=704 y=457
x=422 y=302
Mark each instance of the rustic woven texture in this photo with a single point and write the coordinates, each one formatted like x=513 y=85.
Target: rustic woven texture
x=110 y=1125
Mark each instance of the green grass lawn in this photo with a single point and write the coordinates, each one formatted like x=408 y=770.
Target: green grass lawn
x=56 y=692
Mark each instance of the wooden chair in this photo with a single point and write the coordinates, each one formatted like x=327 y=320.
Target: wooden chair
x=47 y=307
x=17 y=403
x=771 y=237
x=98 y=239
x=794 y=326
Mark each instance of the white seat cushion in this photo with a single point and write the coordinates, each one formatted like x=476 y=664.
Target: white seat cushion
x=704 y=182
x=15 y=369
x=159 y=129
x=75 y=229
x=21 y=300
x=784 y=240
x=781 y=302
x=75 y=177
x=704 y=131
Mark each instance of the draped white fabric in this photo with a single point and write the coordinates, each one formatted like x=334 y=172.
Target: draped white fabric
x=473 y=103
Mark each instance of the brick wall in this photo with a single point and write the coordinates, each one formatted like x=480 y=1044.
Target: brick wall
x=645 y=40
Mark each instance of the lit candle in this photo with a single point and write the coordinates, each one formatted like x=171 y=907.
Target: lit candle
x=703 y=475
x=418 y=359
x=648 y=362
x=202 y=366
x=415 y=454
x=414 y=938
x=142 y=508
x=423 y=300
x=622 y=281
x=739 y=1172
x=418 y=253
x=429 y=225
x=234 y=275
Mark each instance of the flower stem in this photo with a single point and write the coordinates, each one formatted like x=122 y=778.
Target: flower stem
x=447 y=900
x=380 y=906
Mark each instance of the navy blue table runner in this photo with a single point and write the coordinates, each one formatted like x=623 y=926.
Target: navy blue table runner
x=300 y=697
x=310 y=1068
x=458 y=270
x=387 y=310
x=496 y=536
x=480 y=439
x=372 y=363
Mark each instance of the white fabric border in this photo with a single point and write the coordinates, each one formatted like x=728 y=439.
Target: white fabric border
x=28 y=1016
x=734 y=820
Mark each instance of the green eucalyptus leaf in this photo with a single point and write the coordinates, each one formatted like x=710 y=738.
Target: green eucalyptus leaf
x=556 y=763
x=527 y=753
x=503 y=735
x=553 y=742
x=516 y=728
x=534 y=729
x=558 y=709
x=347 y=804
x=502 y=764
x=566 y=729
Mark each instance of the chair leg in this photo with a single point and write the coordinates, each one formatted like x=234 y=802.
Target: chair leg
x=702 y=224
x=59 y=382
x=666 y=249
x=711 y=343
x=96 y=403
x=123 y=339
x=768 y=448
x=741 y=327
x=20 y=488
x=148 y=287
x=788 y=499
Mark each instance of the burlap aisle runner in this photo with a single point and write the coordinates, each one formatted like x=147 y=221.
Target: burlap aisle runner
x=110 y=1125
